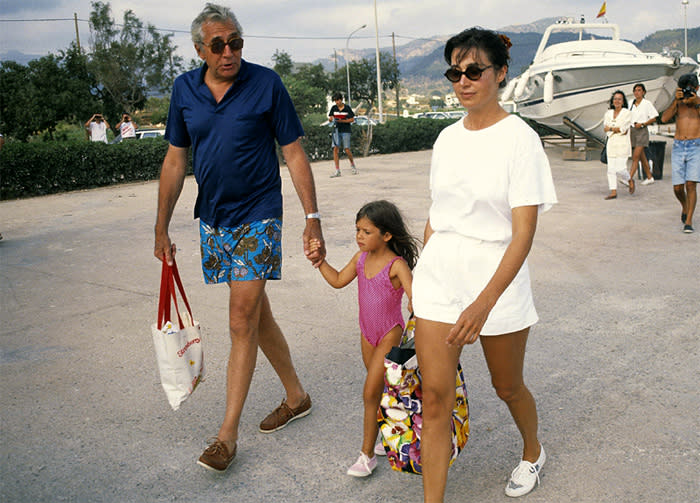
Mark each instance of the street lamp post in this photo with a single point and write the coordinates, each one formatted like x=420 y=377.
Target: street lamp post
x=685 y=22
x=347 y=62
x=379 y=69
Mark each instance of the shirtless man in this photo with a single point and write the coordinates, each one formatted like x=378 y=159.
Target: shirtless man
x=685 y=156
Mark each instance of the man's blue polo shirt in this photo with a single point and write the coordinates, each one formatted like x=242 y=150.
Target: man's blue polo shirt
x=233 y=142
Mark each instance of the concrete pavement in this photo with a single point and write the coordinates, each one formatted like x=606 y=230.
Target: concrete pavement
x=613 y=362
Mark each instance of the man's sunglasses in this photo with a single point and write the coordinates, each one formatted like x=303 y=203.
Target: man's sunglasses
x=473 y=73
x=217 y=46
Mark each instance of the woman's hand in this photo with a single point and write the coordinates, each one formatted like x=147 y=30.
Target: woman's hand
x=469 y=324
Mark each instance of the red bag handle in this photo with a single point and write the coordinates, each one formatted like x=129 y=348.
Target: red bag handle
x=168 y=279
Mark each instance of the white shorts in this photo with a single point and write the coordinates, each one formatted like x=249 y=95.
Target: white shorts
x=453 y=270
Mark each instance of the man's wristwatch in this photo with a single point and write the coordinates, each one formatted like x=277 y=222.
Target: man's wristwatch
x=315 y=215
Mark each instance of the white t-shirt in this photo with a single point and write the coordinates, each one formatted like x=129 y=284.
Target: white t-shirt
x=98 y=131
x=127 y=130
x=478 y=177
x=642 y=112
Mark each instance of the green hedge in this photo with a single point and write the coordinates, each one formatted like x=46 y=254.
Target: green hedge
x=40 y=168
x=396 y=135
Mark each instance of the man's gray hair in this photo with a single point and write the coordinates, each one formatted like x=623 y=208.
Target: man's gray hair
x=213 y=13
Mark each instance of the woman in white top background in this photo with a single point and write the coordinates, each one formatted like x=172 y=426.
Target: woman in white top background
x=643 y=115
x=489 y=180
x=616 y=124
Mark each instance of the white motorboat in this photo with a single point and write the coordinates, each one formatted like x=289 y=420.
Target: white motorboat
x=576 y=79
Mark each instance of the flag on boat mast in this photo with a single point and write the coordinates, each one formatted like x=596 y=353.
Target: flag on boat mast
x=601 y=13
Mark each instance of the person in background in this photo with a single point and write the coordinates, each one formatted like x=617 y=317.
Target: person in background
x=233 y=114
x=616 y=124
x=643 y=115
x=127 y=127
x=96 y=127
x=489 y=180
x=341 y=115
x=685 y=156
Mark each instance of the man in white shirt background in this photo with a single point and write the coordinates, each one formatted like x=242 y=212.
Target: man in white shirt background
x=97 y=127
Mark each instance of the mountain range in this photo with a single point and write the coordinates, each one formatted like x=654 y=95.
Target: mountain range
x=422 y=65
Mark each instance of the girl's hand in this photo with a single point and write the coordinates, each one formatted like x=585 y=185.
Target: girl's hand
x=469 y=324
x=314 y=244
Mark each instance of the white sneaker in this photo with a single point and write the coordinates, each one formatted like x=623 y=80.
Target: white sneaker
x=336 y=174
x=648 y=181
x=354 y=170
x=379 y=449
x=624 y=182
x=525 y=476
x=363 y=467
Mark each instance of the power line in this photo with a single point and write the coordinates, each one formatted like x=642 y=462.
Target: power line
x=269 y=37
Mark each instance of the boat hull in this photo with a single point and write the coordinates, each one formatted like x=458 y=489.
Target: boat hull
x=583 y=94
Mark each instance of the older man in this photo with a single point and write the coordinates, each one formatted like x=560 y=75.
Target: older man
x=231 y=112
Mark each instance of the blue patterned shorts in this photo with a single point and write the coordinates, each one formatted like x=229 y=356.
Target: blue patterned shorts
x=244 y=253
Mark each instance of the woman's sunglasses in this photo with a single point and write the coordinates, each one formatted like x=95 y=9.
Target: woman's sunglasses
x=473 y=73
x=217 y=46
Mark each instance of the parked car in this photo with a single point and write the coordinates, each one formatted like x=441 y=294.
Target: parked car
x=150 y=133
x=142 y=133
x=456 y=114
x=360 y=120
x=363 y=120
x=435 y=115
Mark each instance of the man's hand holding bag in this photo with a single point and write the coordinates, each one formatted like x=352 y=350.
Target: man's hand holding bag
x=178 y=341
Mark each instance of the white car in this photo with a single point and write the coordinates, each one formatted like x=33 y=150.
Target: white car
x=150 y=133
x=142 y=133
x=360 y=120
x=435 y=115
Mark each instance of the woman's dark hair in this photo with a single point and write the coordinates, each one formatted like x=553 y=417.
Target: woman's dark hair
x=492 y=44
x=639 y=84
x=624 y=99
x=387 y=218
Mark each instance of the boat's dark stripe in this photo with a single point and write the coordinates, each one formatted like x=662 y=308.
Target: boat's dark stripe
x=574 y=93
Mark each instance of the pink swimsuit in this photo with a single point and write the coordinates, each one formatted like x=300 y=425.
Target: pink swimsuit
x=380 y=303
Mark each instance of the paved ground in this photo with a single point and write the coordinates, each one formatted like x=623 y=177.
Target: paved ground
x=613 y=362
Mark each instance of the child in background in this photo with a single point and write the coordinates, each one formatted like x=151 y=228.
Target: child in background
x=383 y=268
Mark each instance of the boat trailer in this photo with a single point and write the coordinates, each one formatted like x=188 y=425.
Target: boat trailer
x=592 y=146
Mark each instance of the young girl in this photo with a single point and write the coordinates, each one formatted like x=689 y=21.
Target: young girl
x=383 y=268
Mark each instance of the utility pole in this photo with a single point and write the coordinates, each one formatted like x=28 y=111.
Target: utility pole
x=398 y=104
x=685 y=25
x=379 y=68
x=77 y=33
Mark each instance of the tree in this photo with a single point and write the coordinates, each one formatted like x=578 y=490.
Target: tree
x=363 y=78
x=283 y=63
x=48 y=90
x=131 y=61
x=307 y=85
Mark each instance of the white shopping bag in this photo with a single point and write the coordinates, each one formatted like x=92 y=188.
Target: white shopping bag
x=178 y=342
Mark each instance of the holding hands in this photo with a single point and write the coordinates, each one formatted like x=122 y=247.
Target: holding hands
x=314 y=245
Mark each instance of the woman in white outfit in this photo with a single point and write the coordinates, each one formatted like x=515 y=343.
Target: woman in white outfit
x=616 y=125
x=489 y=180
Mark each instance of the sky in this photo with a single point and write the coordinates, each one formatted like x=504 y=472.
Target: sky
x=312 y=29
